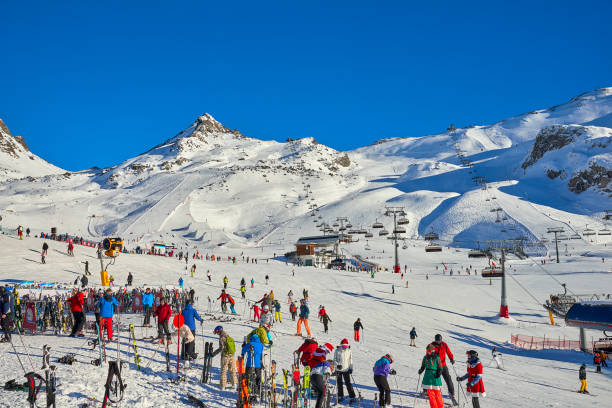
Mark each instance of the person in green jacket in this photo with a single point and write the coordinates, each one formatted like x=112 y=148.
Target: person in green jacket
x=432 y=383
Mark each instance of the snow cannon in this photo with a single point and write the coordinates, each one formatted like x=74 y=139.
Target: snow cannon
x=112 y=246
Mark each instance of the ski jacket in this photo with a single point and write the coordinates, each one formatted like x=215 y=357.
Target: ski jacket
x=433 y=370
x=277 y=307
x=321 y=368
x=191 y=315
x=257 y=351
x=306 y=351
x=413 y=334
x=5 y=305
x=442 y=350
x=582 y=373
x=231 y=300
x=475 y=386
x=262 y=334
x=322 y=312
x=357 y=325
x=326 y=319
x=223 y=297
x=76 y=302
x=186 y=334
x=343 y=359
x=382 y=367
x=304 y=312
x=223 y=336
x=266 y=318
x=106 y=305
x=45 y=246
x=163 y=313
x=317 y=358
x=597 y=358
x=147 y=299
x=292 y=308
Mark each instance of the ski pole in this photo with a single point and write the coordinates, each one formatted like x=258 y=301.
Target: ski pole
x=416 y=392
x=459 y=383
x=397 y=390
x=26 y=349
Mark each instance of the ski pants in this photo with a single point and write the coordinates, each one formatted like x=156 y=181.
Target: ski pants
x=227 y=364
x=299 y=326
x=162 y=327
x=383 y=389
x=106 y=323
x=318 y=385
x=293 y=314
x=604 y=363
x=188 y=349
x=345 y=378
x=357 y=335
x=254 y=372
x=79 y=321
x=6 y=326
x=256 y=315
x=147 y=312
x=435 y=398
x=325 y=327
x=475 y=402
x=583 y=385
x=232 y=308
x=412 y=342
x=277 y=317
x=448 y=381
x=598 y=368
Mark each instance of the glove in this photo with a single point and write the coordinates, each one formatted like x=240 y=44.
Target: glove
x=452 y=361
x=420 y=371
x=350 y=371
x=458 y=378
x=392 y=372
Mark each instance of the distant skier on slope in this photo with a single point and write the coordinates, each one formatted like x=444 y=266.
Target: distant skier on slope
x=356 y=327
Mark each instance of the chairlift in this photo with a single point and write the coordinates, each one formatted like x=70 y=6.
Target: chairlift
x=342 y=229
x=588 y=232
x=503 y=230
x=543 y=240
x=492 y=272
x=488 y=199
x=405 y=246
x=349 y=225
x=369 y=235
x=353 y=231
x=562 y=237
x=604 y=231
x=383 y=232
x=497 y=220
x=377 y=224
x=476 y=253
x=335 y=224
x=399 y=230
x=403 y=221
x=433 y=248
x=431 y=236
x=576 y=236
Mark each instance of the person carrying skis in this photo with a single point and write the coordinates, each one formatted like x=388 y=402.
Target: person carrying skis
x=225 y=282
x=163 y=314
x=293 y=311
x=5 y=313
x=343 y=362
x=382 y=369
x=583 y=379
x=76 y=307
x=326 y=320
x=253 y=359
x=227 y=348
x=107 y=311
x=321 y=368
x=231 y=302
x=442 y=350
x=356 y=327
x=475 y=386
x=304 y=352
x=413 y=336
x=305 y=294
x=304 y=312
x=432 y=384
x=147 y=303
x=277 y=312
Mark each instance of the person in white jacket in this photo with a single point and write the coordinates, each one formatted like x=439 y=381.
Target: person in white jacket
x=188 y=340
x=343 y=361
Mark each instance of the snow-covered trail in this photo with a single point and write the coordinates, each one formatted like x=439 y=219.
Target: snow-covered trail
x=462 y=308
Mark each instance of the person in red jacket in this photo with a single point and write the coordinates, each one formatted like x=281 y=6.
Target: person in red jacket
x=475 y=386
x=76 y=307
x=442 y=350
x=321 y=312
x=163 y=314
x=304 y=352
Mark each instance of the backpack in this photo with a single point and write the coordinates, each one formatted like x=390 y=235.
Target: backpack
x=230 y=346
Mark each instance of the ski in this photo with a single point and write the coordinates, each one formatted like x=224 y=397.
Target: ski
x=167 y=354
x=208 y=360
x=135 y=347
x=306 y=385
x=273 y=383
x=243 y=388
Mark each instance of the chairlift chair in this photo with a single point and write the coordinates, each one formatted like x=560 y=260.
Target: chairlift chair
x=399 y=230
x=403 y=221
x=383 y=232
x=491 y=272
x=433 y=248
x=431 y=236
x=369 y=235
x=604 y=231
x=377 y=225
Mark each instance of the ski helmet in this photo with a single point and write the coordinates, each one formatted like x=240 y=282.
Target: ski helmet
x=218 y=329
x=438 y=337
x=389 y=357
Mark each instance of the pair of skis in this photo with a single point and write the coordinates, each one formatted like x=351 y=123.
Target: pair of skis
x=208 y=352
x=243 y=388
x=135 y=347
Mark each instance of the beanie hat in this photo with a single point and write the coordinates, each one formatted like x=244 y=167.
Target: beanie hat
x=344 y=342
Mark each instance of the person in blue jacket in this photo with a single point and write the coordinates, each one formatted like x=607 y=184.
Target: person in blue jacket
x=5 y=313
x=191 y=315
x=253 y=361
x=107 y=310
x=181 y=282
x=147 y=303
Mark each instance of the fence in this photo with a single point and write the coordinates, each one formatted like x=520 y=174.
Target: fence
x=545 y=343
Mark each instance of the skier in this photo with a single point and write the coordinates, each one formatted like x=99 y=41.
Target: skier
x=256 y=313
x=76 y=307
x=321 y=312
x=392 y=289
x=252 y=282
x=293 y=311
x=223 y=297
x=305 y=294
x=84 y=281
x=267 y=278
x=432 y=384
x=319 y=370
x=180 y=282
x=5 y=312
x=290 y=296
x=497 y=358
x=413 y=336
x=191 y=315
x=130 y=278
x=382 y=369
x=227 y=348
x=583 y=380
x=163 y=314
x=253 y=360
x=193 y=269
x=147 y=303
x=597 y=361
x=243 y=291
x=107 y=311
x=442 y=350
x=225 y=282
x=326 y=320
x=20 y=232
x=45 y=248
x=231 y=302
x=242 y=282
x=356 y=326
x=209 y=275
x=475 y=386
x=304 y=353
x=343 y=362
x=304 y=312
x=277 y=311
x=266 y=316
x=28 y=232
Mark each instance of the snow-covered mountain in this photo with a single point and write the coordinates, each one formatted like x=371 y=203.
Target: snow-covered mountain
x=209 y=184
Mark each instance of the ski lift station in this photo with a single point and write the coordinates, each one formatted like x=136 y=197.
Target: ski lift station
x=316 y=251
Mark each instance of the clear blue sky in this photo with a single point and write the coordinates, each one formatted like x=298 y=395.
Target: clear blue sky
x=75 y=76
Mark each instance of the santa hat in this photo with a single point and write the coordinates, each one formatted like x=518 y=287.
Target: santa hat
x=344 y=343
x=323 y=350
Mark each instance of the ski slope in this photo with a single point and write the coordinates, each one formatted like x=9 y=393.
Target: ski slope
x=462 y=308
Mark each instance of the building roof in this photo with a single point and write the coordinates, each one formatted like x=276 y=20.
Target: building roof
x=318 y=240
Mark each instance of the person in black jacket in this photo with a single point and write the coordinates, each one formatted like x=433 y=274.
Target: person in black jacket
x=583 y=380
x=325 y=319
x=356 y=327
x=413 y=336
x=5 y=313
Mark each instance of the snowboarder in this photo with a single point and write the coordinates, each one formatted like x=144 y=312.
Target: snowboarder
x=147 y=303
x=442 y=350
x=227 y=348
x=163 y=314
x=413 y=336
x=343 y=362
x=475 y=386
x=583 y=379
x=319 y=370
x=76 y=307
x=382 y=369
x=356 y=327
x=304 y=312
x=326 y=320
x=130 y=278
x=432 y=384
